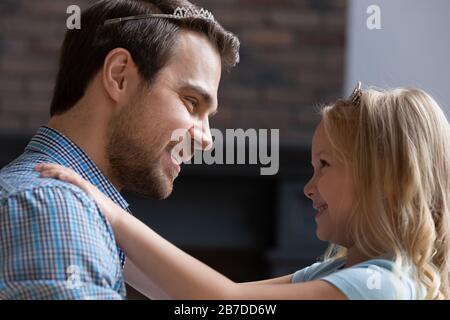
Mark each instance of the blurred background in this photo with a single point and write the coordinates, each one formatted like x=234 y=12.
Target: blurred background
x=296 y=55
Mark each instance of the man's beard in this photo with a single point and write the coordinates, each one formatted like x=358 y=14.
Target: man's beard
x=137 y=161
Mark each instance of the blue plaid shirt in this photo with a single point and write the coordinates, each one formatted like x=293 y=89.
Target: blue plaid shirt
x=54 y=241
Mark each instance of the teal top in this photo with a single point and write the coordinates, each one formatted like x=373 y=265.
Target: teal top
x=370 y=280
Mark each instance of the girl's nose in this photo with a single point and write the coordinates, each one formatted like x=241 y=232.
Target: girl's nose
x=309 y=189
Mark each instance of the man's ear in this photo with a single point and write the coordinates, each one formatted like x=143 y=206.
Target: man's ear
x=117 y=70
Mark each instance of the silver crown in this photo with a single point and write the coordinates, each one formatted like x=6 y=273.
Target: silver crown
x=182 y=13
x=355 y=97
x=179 y=14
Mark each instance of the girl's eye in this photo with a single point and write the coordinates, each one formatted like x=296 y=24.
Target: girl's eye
x=323 y=163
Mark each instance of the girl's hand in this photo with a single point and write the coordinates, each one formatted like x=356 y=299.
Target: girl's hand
x=106 y=205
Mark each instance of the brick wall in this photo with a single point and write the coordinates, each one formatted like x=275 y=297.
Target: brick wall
x=292 y=59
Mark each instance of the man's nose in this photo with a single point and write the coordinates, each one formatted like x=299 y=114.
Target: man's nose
x=207 y=141
x=201 y=135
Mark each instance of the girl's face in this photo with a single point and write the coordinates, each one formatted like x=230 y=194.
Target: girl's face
x=331 y=190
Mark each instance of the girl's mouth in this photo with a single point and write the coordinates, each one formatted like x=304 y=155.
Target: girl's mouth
x=321 y=209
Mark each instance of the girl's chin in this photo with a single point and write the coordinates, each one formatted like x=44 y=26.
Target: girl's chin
x=322 y=234
x=321 y=237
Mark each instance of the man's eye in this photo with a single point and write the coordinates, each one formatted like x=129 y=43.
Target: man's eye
x=193 y=103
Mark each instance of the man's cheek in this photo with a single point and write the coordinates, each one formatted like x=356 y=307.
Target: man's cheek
x=179 y=124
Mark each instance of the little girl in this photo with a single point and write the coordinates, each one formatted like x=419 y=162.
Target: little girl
x=381 y=189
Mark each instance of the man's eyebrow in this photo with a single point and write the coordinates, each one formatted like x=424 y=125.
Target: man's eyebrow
x=207 y=98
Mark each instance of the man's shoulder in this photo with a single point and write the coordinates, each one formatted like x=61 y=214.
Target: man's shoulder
x=28 y=202
x=20 y=177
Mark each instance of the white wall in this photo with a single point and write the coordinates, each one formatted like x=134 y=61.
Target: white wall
x=412 y=48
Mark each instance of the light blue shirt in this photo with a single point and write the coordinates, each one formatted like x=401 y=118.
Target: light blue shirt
x=370 y=280
x=54 y=242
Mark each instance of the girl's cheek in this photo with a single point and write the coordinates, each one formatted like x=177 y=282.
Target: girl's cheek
x=318 y=184
x=322 y=185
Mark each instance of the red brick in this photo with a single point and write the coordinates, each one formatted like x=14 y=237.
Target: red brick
x=293 y=54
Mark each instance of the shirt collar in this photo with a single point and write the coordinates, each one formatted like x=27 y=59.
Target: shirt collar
x=65 y=152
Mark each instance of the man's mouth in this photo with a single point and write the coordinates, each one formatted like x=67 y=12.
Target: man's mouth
x=175 y=161
x=176 y=164
x=178 y=156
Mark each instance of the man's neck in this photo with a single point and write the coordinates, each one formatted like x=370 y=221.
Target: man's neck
x=90 y=134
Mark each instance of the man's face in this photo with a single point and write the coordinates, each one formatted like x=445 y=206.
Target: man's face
x=182 y=96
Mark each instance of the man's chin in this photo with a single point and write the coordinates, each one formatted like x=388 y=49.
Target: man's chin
x=161 y=191
x=158 y=189
x=164 y=194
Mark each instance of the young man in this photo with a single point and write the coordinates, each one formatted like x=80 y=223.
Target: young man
x=123 y=87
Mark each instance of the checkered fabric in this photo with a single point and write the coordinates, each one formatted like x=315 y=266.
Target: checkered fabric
x=54 y=241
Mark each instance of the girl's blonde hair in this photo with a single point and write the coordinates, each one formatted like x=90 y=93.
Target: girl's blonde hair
x=398 y=145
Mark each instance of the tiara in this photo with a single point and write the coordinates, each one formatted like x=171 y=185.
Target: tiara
x=355 y=97
x=179 y=14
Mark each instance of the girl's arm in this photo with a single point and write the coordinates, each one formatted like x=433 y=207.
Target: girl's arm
x=141 y=282
x=178 y=274
x=182 y=276
x=280 y=280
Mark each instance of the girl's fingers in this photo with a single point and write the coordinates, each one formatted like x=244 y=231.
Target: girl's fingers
x=66 y=177
x=61 y=174
x=56 y=171
x=49 y=173
x=53 y=166
x=46 y=166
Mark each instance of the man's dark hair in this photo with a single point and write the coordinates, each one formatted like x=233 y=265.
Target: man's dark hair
x=149 y=42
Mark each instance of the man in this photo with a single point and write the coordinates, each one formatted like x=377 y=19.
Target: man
x=123 y=87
